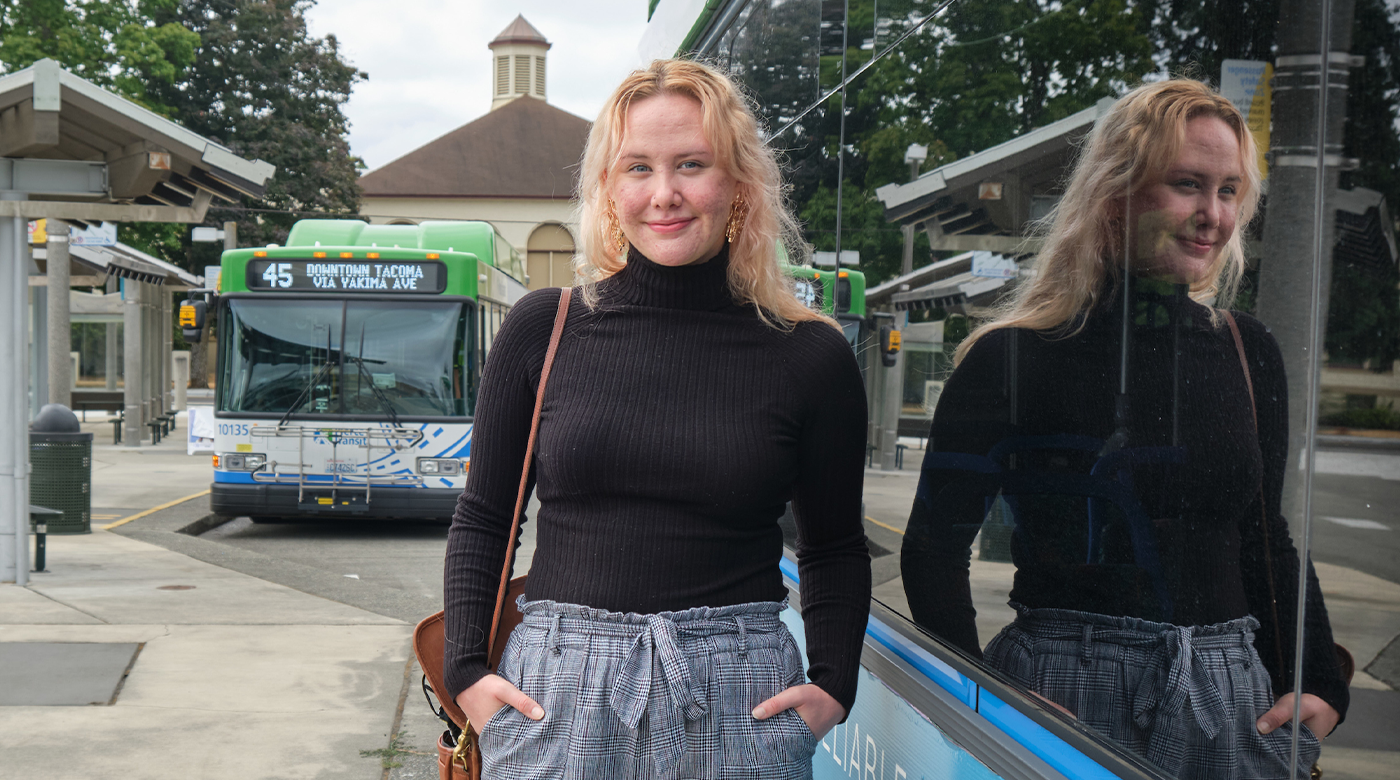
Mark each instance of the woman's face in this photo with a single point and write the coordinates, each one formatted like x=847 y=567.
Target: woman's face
x=1183 y=219
x=673 y=199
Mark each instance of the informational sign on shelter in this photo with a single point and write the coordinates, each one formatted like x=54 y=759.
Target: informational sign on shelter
x=994 y=266
x=104 y=234
x=1248 y=84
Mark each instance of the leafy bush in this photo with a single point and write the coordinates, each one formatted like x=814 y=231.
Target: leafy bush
x=1382 y=418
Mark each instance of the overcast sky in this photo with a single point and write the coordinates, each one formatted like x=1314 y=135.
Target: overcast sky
x=430 y=71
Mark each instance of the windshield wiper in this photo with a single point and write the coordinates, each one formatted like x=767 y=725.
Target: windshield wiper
x=373 y=388
x=310 y=388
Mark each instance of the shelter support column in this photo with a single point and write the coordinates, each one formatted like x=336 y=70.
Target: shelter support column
x=112 y=367
x=60 y=339
x=1301 y=206
x=14 y=403
x=150 y=353
x=167 y=352
x=132 y=398
x=180 y=376
x=36 y=339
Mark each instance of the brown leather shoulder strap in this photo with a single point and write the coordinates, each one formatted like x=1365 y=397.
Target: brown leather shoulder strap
x=554 y=336
x=1244 y=363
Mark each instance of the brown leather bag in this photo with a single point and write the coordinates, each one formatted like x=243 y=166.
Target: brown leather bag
x=458 y=757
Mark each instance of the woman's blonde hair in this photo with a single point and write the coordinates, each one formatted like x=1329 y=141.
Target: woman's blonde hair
x=729 y=125
x=1136 y=141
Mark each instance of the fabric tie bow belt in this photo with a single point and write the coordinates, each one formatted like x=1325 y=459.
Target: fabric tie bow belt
x=655 y=661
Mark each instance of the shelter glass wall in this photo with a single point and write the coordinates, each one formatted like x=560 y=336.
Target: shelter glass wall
x=1108 y=493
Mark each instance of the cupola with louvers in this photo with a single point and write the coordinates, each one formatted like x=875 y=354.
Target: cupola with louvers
x=517 y=63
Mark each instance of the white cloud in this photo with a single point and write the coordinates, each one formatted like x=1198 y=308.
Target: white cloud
x=429 y=68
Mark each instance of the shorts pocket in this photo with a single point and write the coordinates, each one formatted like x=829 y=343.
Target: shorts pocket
x=492 y=722
x=801 y=729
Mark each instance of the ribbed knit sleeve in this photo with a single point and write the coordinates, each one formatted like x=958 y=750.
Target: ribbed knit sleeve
x=833 y=561
x=476 y=542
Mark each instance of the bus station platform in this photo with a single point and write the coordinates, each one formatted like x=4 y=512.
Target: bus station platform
x=139 y=655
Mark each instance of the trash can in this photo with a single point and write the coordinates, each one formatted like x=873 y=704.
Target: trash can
x=60 y=457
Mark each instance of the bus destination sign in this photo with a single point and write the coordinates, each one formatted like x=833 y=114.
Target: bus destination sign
x=347 y=275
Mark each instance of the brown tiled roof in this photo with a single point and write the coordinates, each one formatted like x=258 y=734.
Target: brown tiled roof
x=519 y=31
x=524 y=149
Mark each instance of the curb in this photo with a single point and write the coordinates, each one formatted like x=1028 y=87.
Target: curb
x=1333 y=441
x=204 y=524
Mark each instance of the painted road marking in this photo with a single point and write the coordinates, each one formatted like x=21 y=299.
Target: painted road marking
x=1369 y=525
x=884 y=525
x=153 y=510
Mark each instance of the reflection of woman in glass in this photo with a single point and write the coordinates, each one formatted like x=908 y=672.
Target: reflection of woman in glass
x=1108 y=408
x=692 y=397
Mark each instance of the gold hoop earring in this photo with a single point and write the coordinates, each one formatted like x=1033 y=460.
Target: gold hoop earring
x=619 y=238
x=738 y=215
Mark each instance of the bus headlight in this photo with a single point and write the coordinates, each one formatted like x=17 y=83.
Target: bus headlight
x=240 y=461
x=444 y=466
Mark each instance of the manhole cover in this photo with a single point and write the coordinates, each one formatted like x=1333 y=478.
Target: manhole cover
x=175 y=587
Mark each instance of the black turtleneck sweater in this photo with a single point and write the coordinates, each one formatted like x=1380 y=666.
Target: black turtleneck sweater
x=1178 y=536
x=676 y=426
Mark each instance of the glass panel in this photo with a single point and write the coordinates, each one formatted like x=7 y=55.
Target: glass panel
x=404 y=356
x=275 y=355
x=279 y=355
x=1097 y=452
x=1355 y=479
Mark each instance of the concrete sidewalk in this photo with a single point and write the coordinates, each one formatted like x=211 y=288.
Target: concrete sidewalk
x=229 y=676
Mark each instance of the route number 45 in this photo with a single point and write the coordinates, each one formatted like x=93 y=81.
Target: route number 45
x=278 y=275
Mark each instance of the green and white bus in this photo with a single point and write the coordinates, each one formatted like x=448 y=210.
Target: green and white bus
x=838 y=293
x=348 y=365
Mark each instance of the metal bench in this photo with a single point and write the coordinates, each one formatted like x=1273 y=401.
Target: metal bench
x=98 y=401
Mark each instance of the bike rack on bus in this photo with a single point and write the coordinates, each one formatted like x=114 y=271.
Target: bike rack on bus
x=396 y=439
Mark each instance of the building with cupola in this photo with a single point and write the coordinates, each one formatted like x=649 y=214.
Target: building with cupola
x=514 y=167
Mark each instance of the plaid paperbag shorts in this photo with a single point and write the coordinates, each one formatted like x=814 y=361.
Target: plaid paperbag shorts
x=669 y=695
x=1185 y=698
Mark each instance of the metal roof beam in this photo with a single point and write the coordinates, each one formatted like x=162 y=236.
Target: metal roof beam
x=54 y=178
x=24 y=131
x=99 y=212
x=1006 y=245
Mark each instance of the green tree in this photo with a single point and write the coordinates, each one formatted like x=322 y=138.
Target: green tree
x=117 y=44
x=863 y=229
x=267 y=89
x=1191 y=37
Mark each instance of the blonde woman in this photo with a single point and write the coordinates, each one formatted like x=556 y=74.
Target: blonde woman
x=691 y=398
x=1107 y=405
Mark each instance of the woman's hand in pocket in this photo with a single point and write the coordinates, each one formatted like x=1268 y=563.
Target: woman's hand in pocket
x=488 y=695
x=1317 y=715
x=815 y=706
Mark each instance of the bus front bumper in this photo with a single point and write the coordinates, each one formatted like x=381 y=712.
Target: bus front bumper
x=240 y=500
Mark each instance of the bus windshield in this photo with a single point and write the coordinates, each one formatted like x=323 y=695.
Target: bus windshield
x=345 y=357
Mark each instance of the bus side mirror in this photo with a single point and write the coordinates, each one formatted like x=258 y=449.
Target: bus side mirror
x=192 y=320
x=889 y=345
